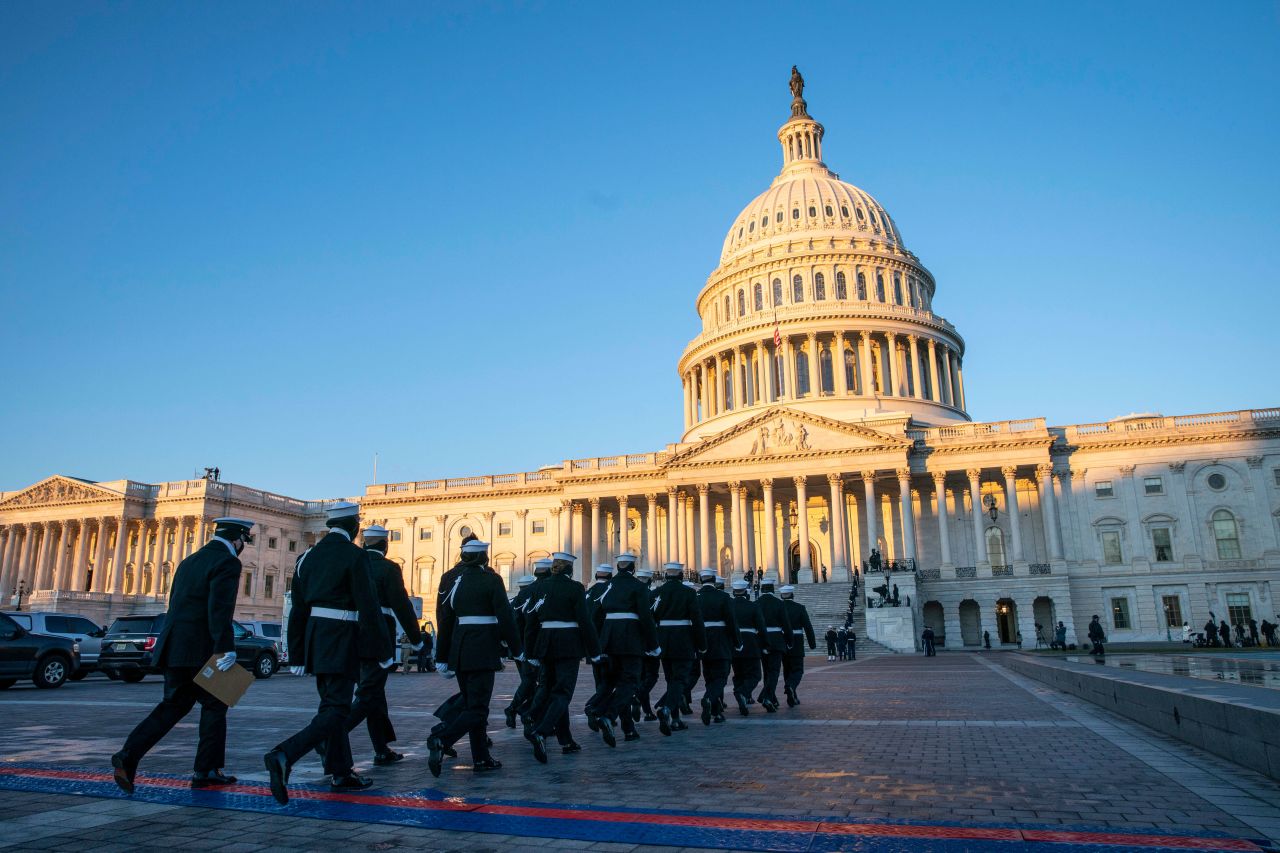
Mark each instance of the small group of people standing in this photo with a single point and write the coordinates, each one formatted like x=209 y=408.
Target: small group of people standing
x=842 y=643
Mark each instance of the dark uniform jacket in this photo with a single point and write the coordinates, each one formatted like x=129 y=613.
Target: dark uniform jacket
x=675 y=602
x=388 y=586
x=201 y=603
x=594 y=592
x=622 y=636
x=517 y=607
x=775 y=616
x=747 y=612
x=335 y=574
x=799 y=617
x=562 y=599
x=476 y=591
x=716 y=606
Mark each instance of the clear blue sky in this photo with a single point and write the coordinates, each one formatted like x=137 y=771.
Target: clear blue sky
x=280 y=237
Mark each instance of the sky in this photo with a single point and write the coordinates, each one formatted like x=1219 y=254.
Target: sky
x=466 y=237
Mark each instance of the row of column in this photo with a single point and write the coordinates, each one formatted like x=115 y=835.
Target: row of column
x=90 y=554
x=862 y=363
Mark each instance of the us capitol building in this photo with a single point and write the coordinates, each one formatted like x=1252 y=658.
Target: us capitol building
x=824 y=416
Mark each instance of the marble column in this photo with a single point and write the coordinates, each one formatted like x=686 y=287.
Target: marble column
x=66 y=555
x=802 y=533
x=953 y=373
x=815 y=370
x=671 y=527
x=960 y=382
x=704 y=525
x=761 y=377
x=872 y=539
x=685 y=383
x=940 y=509
x=748 y=526
x=975 y=498
x=784 y=546
x=839 y=561
x=718 y=378
x=566 y=532
x=933 y=372
x=590 y=561
x=118 y=561
x=80 y=567
x=624 y=524
x=1049 y=511
x=690 y=528
x=12 y=535
x=651 y=530
x=1011 y=504
x=705 y=390
x=891 y=348
x=946 y=382
x=837 y=365
x=864 y=362
x=908 y=514
x=739 y=383
x=21 y=570
x=770 y=525
x=917 y=389
x=735 y=532
x=576 y=520
x=100 y=579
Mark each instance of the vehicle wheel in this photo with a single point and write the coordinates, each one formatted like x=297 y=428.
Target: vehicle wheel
x=51 y=671
x=132 y=677
x=264 y=666
x=111 y=674
x=78 y=675
x=6 y=683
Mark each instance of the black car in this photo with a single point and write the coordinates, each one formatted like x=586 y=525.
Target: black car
x=126 y=649
x=44 y=659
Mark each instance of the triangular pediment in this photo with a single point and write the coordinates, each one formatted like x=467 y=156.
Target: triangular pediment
x=58 y=489
x=781 y=432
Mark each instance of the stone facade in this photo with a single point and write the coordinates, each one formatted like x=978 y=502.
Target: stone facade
x=823 y=404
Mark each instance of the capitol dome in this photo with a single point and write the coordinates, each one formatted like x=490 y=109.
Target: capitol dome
x=818 y=305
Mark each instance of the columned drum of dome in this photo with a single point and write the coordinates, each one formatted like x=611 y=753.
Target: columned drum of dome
x=817 y=303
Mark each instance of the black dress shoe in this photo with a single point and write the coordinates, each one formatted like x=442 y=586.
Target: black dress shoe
x=685 y=709
x=635 y=712
x=539 y=747
x=769 y=706
x=706 y=712
x=606 y=731
x=450 y=752
x=593 y=722
x=792 y=699
x=435 y=755
x=664 y=721
x=484 y=765
x=511 y=717
x=650 y=717
x=351 y=781
x=382 y=759
x=678 y=726
x=742 y=704
x=123 y=772
x=570 y=747
x=278 y=771
x=630 y=736
x=211 y=779
x=718 y=718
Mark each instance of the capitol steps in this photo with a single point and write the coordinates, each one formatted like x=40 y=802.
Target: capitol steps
x=828 y=604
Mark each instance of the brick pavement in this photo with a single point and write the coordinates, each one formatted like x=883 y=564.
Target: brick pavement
x=903 y=738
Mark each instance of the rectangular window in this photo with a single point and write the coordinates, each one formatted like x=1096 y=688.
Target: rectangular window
x=395 y=535
x=424 y=535
x=248 y=584
x=272 y=542
x=293 y=546
x=1162 y=542
x=1103 y=489
x=1111 y=553
x=504 y=528
x=1120 y=613
x=539 y=527
x=1153 y=485
x=1239 y=610
x=1172 y=611
x=269 y=589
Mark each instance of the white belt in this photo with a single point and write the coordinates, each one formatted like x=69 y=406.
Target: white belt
x=477 y=620
x=798 y=631
x=747 y=630
x=559 y=624
x=771 y=630
x=387 y=611
x=713 y=624
x=621 y=616
x=335 y=613
x=673 y=623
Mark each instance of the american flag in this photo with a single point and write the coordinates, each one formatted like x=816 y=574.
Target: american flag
x=777 y=336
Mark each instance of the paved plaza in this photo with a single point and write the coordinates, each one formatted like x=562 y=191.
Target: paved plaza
x=896 y=753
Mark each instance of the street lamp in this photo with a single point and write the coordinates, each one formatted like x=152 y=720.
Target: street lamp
x=990 y=503
x=19 y=591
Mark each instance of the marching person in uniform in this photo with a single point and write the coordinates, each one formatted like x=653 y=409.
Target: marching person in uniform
x=371 y=696
x=526 y=672
x=682 y=638
x=746 y=658
x=774 y=645
x=651 y=665
x=599 y=671
x=802 y=631
x=531 y=690
x=627 y=635
x=558 y=634
x=198 y=625
x=334 y=624
x=721 y=626
x=475 y=622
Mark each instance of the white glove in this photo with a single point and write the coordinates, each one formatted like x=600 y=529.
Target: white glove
x=388 y=663
x=599 y=658
x=655 y=652
x=225 y=662
x=416 y=648
x=442 y=668
x=297 y=670
x=533 y=662
x=520 y=657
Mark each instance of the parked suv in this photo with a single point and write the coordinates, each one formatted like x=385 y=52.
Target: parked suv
x=71 y=626
x=272 y=631
x=126 y=649
x=47 y=661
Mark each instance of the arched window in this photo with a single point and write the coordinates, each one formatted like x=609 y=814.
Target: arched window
x=844 y=211
x=778 y=218
x=995 y=546
x=1227 y=534
x=813 y=211
x=759 y=296
x=897 y=289
x=742 y=302
x=851 y=379
x=726 y=379
x=858 y=210
x=802 y=373
x=842 y=287
x=764 y=220
x=819 y=287
x=727 y=314
x=739 y=233
x=751 y=228
x=797 y=289
x=777 y=292
x=795 y=213
x=879 y=289
x=826 y=379
x=862 y=287
x=911 y=291
x=829 y=211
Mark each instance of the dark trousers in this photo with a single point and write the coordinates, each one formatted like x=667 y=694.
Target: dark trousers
x=678 y=673
x=600 y=680
x=524 y=690
x=180 y=696
x=772 y=665
x=562 y=678
x=929 y=650
x=746 y=675
x=695 y=672
x=715 y=675
x=371 y=706
x=621 y=683
x=470 y=715
x=328 y=726
x=792 y=670
x=649 y=670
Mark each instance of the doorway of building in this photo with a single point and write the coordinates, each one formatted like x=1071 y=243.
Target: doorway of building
x=934 y=619
x=1007 y=620
x=970 y=623
x=794 y=561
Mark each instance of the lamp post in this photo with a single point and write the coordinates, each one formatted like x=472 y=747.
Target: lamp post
x=992 y=509
x=19 y=591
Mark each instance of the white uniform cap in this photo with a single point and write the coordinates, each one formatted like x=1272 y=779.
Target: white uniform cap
x=544 y=563
x=475 y=546
x=627 y=557
x=239 y=522
x=561 y=555
x=525 y=580
x=770 y=578
x=374 y=531
x=741 y=585
x=342 y=509
x=673 y=567
x=604 y=569
x=644 y=573
x=706 y=573
x=787 y=590
x=767 y=582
